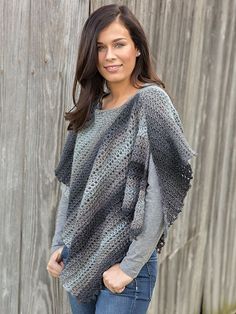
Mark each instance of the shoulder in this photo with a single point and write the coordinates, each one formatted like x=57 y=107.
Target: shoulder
x=157 y=104
x=154 y=92
x=155 y=100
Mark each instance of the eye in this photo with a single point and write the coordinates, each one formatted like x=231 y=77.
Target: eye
x=99 y=48
x=119 y=45
x=116 y=45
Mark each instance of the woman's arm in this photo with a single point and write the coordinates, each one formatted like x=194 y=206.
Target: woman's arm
x=143 y=246
x=61 y=218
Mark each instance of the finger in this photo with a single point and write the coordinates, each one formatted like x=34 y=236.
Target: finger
x=120 y=290
x=113 y=291
x=58 y=258
x=54 y=268
x=54 y=274
x=108 y=287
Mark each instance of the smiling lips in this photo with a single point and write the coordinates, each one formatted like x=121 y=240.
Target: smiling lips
x=113 y=68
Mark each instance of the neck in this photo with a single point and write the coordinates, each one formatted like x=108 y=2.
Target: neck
x=119 y=90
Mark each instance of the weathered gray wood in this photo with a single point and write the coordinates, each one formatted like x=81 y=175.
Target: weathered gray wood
x=12 y=133
x=40 y=42
x=193 y=45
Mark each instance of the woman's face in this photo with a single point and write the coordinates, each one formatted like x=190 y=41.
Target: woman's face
x=116 y=53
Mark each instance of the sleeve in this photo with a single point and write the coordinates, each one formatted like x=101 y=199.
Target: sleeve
x=171 y=154
x=61 y=219
x=143 y=246
x=64 y=167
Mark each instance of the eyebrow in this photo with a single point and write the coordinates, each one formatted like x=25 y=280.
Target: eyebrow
x=117 y=39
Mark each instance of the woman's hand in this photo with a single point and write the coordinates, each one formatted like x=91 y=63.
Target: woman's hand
x=115 y=279
x=55 y=266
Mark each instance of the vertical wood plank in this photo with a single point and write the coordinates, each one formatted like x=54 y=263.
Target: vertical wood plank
x=193 y=45
x=40 y=43
x=13 y=95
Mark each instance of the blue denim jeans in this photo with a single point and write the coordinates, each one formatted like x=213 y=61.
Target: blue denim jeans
x=134 y=299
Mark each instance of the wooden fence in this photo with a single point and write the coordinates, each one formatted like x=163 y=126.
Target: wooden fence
x=193 y=45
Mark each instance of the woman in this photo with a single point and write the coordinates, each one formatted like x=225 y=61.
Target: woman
x=124 y=171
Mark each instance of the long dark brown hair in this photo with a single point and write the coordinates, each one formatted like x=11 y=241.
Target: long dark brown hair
x=91 y=83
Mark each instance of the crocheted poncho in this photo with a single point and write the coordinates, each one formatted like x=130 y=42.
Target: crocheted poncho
x=107 y=195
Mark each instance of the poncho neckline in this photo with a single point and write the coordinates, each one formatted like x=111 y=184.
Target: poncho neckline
x=99 y=103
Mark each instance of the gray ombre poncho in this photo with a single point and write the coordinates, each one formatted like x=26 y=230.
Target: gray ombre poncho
x=108 y=184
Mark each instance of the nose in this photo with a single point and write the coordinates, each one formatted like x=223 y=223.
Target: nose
x=109 y=54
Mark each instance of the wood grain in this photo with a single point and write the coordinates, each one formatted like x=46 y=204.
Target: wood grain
x=193 y=46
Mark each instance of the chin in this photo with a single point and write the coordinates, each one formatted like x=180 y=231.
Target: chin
x=114 y=79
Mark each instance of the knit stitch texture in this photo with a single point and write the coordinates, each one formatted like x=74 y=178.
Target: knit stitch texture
x=108 y=183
